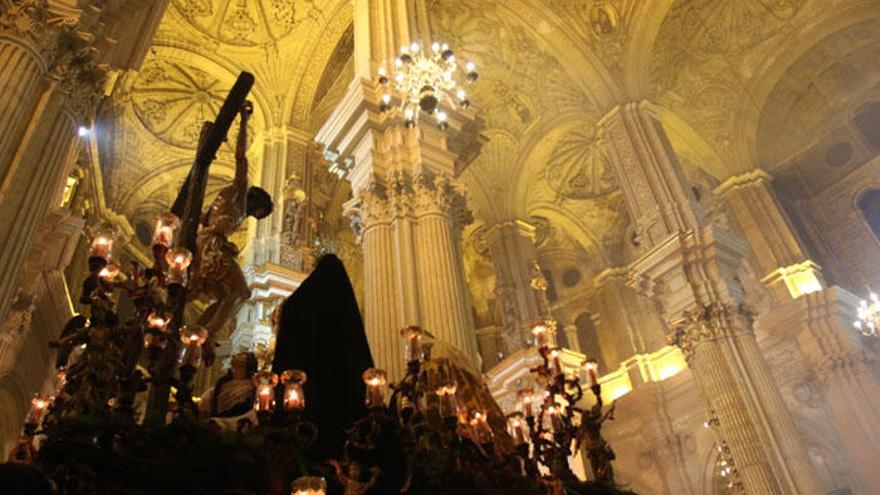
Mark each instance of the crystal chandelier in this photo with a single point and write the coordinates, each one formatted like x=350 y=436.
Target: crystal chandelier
x=869 y=315
x=426 y=79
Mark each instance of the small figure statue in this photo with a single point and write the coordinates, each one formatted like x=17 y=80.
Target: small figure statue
x=233 y=395
x=215 y=271
x=351 y=479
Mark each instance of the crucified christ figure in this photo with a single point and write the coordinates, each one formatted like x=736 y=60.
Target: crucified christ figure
x=215 y=272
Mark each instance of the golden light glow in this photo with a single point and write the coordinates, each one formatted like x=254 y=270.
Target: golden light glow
x=800 y=279
x=70 y=187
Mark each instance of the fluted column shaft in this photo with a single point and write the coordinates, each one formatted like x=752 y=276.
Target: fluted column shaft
x=413 y=267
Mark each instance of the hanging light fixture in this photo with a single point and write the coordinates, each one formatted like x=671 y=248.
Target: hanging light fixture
x=868 y=321
x=426 y=79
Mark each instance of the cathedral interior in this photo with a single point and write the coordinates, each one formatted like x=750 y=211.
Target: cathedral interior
x=688 y=190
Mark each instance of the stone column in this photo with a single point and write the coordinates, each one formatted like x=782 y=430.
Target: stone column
x=37 y=313
x=408 y=205
x=784 y=265
x=53 y=66
x=689 y=268
x=821 y=324
x=511 y=249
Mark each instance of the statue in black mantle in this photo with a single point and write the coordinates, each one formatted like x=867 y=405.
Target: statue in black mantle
x=321 y=332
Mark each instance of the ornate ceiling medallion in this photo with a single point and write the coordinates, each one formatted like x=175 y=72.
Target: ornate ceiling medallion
x=578 y=169
x=241 y=22
x=172 y=100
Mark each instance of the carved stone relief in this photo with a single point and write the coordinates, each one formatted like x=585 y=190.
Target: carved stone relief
x=246 y=22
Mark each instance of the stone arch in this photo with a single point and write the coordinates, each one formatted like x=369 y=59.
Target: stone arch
x=319 y=48
x=765 y=78
x=868 y=205
x=649 y=17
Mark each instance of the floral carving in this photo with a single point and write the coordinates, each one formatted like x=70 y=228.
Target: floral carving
x=172 y=100
x=244 y=22
x=711 y=323
x=578 y=167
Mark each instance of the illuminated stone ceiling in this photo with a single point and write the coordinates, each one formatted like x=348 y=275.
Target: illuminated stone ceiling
x=726 y=78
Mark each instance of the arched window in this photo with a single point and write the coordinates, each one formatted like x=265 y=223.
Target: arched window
x=867 y=119
x=869 y=205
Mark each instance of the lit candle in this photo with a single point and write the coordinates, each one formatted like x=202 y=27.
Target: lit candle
x=375 y=380
x=166 y=225
x=309 y=485
x=555 y=417
x=178 y=261
x=39 y=406
x=592 y=368
x=525 y=401
x=540 y=331
x=480 y=428
x=109 y=273
x=516 y=423
x=102 y=242
x=412 y=343
x=448 y=404
x=154 y=334
x=555 y=356
x=192 y=339
x=157 y=321
x=294 y=398
x=264 y=382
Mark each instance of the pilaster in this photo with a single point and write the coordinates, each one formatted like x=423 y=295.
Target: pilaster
x=785 y=267
x=511 y=250
x=690 y=270
x=626 y=322
x=821 y=324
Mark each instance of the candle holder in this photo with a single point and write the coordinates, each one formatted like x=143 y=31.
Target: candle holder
x=39 y=407
x=109 y=272
x=103 y=238
x=516 y=425
x=192 y=339
x=294 y=398
x=264 y=384
x=482 y=433
x=309 y=485
x=412 y=337
x=178 y=260
x=166 y=226
x=375 y=380
x=542 y=334
x=155 y=336
x=555 y=357
x=448 y=402
x=591 y=366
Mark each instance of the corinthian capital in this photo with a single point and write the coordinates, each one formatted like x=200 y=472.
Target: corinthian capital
x=710 y=324
x=27 y=20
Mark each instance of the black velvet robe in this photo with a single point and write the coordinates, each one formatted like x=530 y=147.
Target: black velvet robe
x=321 y=333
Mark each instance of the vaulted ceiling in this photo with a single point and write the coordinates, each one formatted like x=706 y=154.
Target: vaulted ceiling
x=737 y=84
